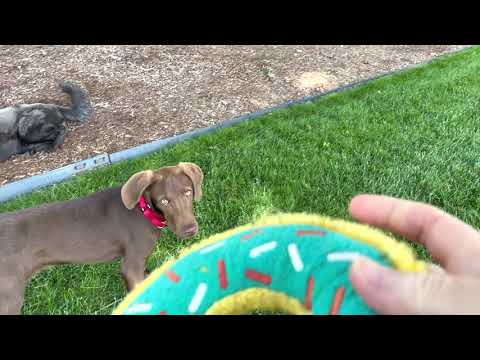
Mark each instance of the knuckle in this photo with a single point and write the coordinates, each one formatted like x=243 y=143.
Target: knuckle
x=428 y=288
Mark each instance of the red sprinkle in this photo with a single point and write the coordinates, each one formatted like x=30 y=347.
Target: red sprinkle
x=309 y=296
x=251 y=235
x=223 y=274
x=337 y=301
x=310 y=232
x=163 y=312
x=172 y=276
x=256 y=276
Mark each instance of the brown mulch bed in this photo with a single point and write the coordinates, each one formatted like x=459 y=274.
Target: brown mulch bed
x=143 y=93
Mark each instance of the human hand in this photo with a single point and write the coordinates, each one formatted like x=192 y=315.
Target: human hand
x=453 y=288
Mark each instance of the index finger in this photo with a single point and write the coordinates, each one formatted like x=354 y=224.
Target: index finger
x=453 y=243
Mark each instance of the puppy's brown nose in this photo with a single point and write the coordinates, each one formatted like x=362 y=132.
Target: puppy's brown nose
x=189 y=230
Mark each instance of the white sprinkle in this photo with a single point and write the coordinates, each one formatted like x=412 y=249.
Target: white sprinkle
x=211 y=247
x=295 y=257
x=139 y=308
x=259 y=250
x=197 y=298
x=342 y=256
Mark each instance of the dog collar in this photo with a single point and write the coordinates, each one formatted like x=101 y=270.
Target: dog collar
x=157 y=219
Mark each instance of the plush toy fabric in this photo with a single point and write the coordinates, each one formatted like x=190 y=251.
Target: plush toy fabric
x=293 y=263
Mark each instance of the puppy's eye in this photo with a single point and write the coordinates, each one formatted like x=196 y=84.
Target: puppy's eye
x=164 y=202
x=188 y=192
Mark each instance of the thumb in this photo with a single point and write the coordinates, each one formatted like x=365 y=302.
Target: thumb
x=389 y=291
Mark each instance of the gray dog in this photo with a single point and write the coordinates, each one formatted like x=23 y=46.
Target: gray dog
x=40 y=127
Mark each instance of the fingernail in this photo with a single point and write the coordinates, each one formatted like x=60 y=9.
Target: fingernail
x=370 y=271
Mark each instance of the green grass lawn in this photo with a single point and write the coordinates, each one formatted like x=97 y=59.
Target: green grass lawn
x=413 y=135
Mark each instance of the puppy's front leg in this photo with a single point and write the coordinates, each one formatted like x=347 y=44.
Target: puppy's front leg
x=133 y=270
x=9 y=148
x=136 y=254
x=60 y=138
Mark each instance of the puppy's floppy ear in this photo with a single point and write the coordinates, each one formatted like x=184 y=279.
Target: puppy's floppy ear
x=195 y=174
x=135 y=186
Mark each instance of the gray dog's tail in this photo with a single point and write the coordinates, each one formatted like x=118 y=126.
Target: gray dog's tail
x=81 y=109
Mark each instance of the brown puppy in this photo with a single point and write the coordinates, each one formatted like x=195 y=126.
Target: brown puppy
x=98 y=228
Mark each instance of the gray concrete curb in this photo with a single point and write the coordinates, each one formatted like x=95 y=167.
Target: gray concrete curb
x=27 y=185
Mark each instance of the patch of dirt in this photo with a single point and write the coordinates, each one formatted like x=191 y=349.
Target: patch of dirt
x=314 y=80
x=144 y=93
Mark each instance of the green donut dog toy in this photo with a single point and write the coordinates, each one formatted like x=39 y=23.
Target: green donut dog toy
x=293 y=263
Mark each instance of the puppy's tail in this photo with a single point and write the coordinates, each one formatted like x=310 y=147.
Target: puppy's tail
x=81 y=109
